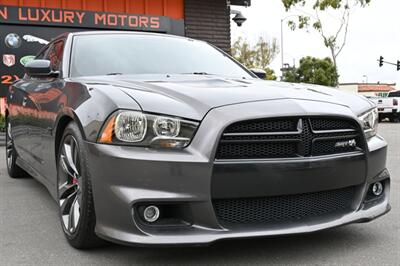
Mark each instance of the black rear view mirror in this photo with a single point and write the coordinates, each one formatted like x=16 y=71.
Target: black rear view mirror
x=40 y=68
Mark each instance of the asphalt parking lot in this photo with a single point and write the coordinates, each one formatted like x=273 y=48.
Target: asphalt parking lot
x=30 y=234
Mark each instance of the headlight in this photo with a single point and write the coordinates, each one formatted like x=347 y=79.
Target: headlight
x=130 y=126
x=166 y=127
x=369 y=122
x=139 y=129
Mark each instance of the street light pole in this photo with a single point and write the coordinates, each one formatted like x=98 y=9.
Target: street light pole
x=282 y=42
x=366 y=78
x=282 y=20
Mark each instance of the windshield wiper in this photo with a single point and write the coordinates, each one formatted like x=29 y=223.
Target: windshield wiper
x=114 y=74
x=197 y=73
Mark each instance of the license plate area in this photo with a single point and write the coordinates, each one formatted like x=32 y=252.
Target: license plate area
x=268 y=178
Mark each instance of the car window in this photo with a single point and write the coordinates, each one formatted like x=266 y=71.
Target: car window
x=55 y=55
x=394 y=94
x=148 y=54
x=43 y=53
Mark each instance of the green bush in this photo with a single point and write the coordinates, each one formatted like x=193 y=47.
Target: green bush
x=2 y=123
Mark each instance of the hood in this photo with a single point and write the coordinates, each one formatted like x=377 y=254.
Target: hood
x=192 y=96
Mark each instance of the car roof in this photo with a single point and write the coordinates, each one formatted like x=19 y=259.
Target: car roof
x=138 y=33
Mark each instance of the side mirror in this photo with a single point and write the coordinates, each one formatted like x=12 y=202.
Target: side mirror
x=259 y=73
x=40 y=68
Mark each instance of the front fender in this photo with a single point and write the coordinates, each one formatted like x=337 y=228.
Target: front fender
x=95 y=105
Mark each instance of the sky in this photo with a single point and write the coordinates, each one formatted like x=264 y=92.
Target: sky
x=373 y=31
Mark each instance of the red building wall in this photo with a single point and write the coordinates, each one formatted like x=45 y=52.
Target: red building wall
x=170 y=8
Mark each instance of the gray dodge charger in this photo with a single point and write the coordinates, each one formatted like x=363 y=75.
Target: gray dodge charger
x=157 y=139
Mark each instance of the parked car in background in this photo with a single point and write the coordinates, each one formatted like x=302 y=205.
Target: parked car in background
x=388 y=107
x=158 y=139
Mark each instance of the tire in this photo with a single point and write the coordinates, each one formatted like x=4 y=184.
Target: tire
x=14 y=171
x=74 y=191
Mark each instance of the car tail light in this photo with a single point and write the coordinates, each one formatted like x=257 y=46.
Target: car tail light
x=395 y=102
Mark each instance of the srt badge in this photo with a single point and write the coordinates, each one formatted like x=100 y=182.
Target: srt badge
x=346 y=144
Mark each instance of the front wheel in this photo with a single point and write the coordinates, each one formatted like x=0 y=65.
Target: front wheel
x=77 y=213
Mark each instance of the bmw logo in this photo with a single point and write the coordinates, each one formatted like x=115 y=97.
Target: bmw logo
x=13 y=40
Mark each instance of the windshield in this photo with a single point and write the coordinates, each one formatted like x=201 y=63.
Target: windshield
x=394 y=94
x=112 y=54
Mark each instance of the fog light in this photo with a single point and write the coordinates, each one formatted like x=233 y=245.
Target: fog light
x=377 y=188
x=151 y=214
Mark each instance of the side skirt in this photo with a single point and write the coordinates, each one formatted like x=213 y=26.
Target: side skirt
x=35 y=174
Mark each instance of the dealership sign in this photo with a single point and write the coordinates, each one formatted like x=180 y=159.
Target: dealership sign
x=25 y=30
x=87 y=19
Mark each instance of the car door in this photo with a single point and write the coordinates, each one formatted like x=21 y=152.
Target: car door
x=17 y=119
x=48 y=97
x=24 y=114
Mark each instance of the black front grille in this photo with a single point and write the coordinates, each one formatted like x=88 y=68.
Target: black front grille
x=259 y=151
x=264 y=126
x=289 y=138
x=288 y=208
x=331 y=123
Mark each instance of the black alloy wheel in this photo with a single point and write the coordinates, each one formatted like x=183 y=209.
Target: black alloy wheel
x=75 y=198
x=70 y=184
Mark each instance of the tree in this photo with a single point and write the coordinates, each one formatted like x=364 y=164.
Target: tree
x=243 y=52
x=270 y=74
x=313 y=71
x=258 y=56
x=336 y=40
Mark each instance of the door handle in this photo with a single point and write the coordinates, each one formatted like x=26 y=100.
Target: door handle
x=24 y=101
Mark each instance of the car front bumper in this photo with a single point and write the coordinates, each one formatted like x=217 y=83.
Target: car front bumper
x=124 y=177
